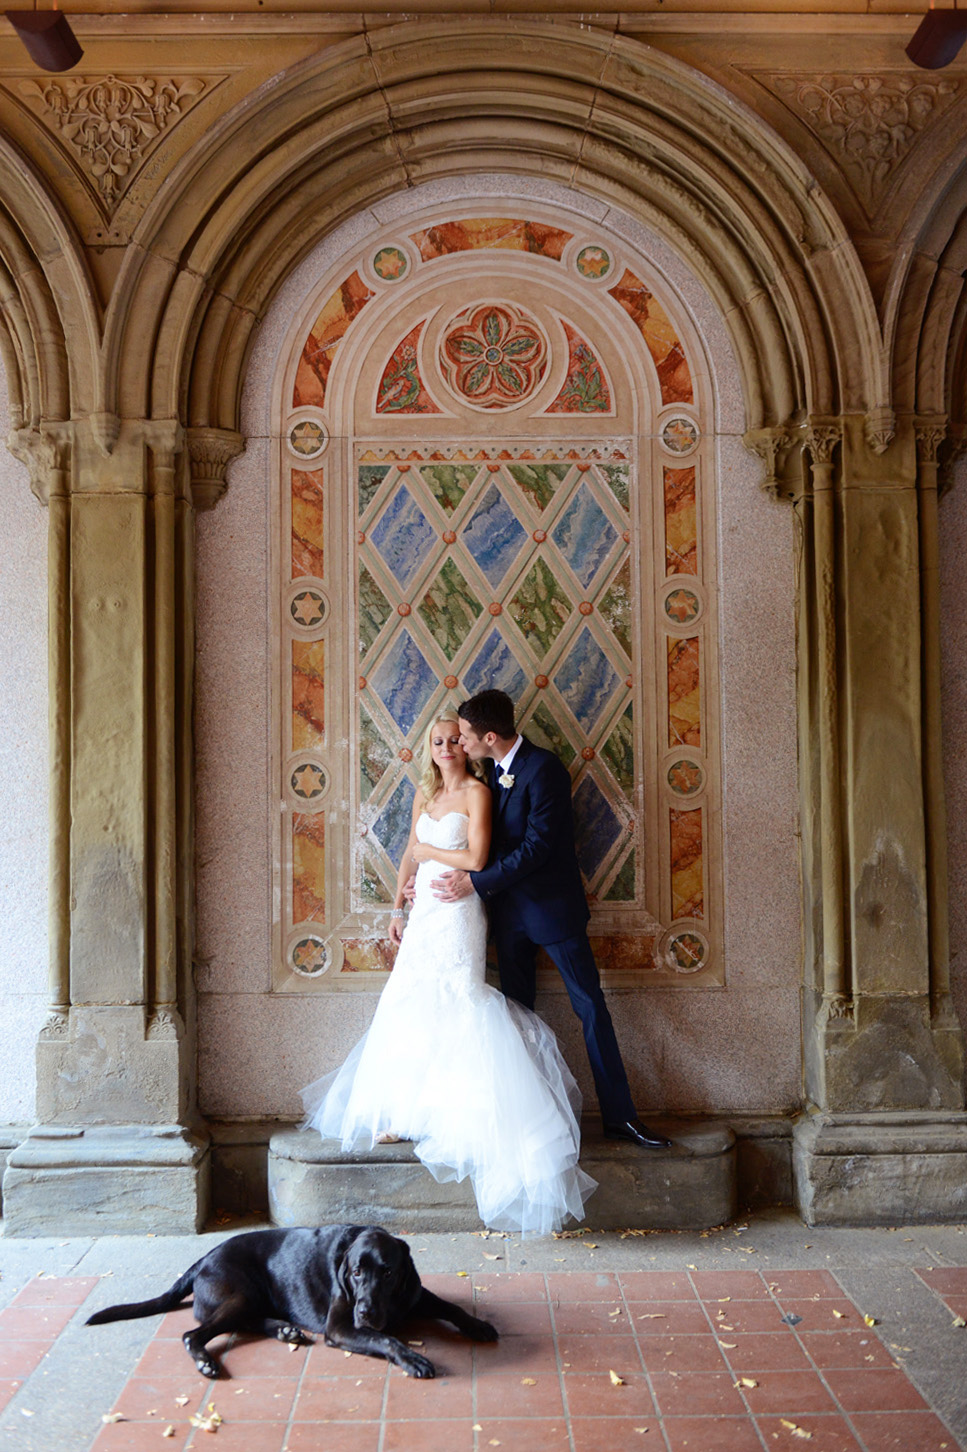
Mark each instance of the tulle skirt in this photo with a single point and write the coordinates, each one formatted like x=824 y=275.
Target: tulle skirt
x=476 y=1081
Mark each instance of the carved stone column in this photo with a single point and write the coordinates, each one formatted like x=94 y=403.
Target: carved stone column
x=116 y=1147
x=885 y=1137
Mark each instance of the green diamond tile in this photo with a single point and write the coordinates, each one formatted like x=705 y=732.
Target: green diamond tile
x=619 y=751
x=540 y=608
x=370 y=478
x=623 y=887
x=448 y=483
x=371 y=885
x=618 y=479
x=449 y=609
x=374 y=610
x=375 y=754
x=615 y=607
x=543 y=729
x=538 y=481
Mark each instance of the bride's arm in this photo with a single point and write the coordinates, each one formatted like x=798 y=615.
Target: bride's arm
x=474 y=856
x=407 y=869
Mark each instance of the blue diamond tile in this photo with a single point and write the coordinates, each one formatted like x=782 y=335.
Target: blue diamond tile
x=596 y=826
x=403 y=681
x=586 y=679
x=493 y=536
x=495 y=667
x=585 y=535
x=392 y=827
x=403 y=536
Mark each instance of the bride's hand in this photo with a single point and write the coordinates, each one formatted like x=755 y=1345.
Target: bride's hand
x=420 y=852
x=396 y=930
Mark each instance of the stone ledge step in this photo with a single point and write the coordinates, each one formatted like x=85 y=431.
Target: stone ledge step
x=690 y=1186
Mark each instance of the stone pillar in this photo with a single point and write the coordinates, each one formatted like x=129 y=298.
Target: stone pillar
x=884 y=1136
x=117 y=1146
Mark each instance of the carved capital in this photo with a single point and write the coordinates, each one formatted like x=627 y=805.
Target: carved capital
x=879 y=428
x=930 y=434
x=57 y=1024
x=820 y=439
x=165 y=1023
x=770 y=446
x=836 y=1007
x=210 y=452
x=105 y=431
x=46 y=452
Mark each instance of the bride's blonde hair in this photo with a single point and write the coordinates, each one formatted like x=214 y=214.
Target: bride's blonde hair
x=431 y=777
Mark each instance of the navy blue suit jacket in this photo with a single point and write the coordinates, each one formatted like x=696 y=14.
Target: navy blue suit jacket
x=532 y=880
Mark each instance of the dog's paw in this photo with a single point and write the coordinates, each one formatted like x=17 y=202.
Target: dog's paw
x=207 y=1366
x=293 y=1335
x=482 y=1330
x=416 y=1365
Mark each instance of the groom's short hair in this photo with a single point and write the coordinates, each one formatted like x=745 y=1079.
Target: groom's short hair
x=489 y=711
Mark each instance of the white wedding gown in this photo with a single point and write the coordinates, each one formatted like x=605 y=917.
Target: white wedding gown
x=476 y=1081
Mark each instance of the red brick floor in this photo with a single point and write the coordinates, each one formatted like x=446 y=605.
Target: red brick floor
x=723 y=1361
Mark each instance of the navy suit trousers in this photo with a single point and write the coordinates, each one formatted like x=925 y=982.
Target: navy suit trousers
x=516 y=956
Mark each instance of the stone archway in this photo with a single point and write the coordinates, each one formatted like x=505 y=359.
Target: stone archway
x=131 y=454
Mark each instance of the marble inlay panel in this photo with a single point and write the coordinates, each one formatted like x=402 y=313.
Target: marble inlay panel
x=503 y=232
x=404 y=681
x=546 y=730
x=597 y=826
x=401 y=388
x=367 y=955
x=327 y=331
x=308 y=536
x=450 y=609
x=585 y=389
x=619 y=750
x=624 y=886
x=375 y=754
x=681 y=522
x=308 y=867
x=684 y=703
x=404 y=537
x=374 y=610
x=392 y=827
x=449 y=482
x=586 y=680
x=661 y=339
x=540 y=608
x=685 y=832
x=493 y=536
x=584 y=535
x=538 y=482
x=495 y=666
x=615 y=607
x=369 y=479
x=308 y=694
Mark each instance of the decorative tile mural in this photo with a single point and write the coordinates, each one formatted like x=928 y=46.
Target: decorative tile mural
x=568 y=568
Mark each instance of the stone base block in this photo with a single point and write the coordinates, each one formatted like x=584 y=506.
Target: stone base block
x=688 y=1187
x=107 y=1180
x=881 y=1169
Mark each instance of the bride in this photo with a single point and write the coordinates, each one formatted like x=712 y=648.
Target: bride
x=476 y=1081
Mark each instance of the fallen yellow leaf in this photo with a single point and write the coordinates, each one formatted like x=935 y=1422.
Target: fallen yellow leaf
x=870 y=1320
x=616 y=1380
x=169 y=1431
x=653 y=1316
x=796 y=1431
x=211 y=1423
x=488 y=1255
x=112 y=1417
x=528 y=1381
x=729 y=1345
x=748 y=1381
x=463 y=1273
x=958 y=1321
x=181 y=1401
x=840 y=1315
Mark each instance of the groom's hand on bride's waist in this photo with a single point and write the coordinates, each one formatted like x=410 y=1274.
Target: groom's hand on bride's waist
x=452 y=886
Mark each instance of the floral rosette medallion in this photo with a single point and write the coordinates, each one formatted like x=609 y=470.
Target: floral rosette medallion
x=493 y=356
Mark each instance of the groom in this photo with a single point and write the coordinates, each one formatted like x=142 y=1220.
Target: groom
x=533 y=886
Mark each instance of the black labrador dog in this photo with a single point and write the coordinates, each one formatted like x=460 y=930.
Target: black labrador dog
x=349 y=1282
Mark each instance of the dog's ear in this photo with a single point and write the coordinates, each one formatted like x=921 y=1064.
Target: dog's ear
x=344 y=1276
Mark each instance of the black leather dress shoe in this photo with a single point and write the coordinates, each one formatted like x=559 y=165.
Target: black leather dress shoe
x=637 y=1133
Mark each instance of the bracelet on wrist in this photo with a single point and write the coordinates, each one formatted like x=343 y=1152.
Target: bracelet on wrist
x=397 y=913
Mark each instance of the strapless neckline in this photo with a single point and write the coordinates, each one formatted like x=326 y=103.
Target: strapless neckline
x=464 y=815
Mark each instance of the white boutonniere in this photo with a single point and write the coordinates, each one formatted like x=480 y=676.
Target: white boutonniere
x=506 y=780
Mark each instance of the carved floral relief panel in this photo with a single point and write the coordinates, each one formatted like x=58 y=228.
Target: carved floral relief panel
x=494 y=472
